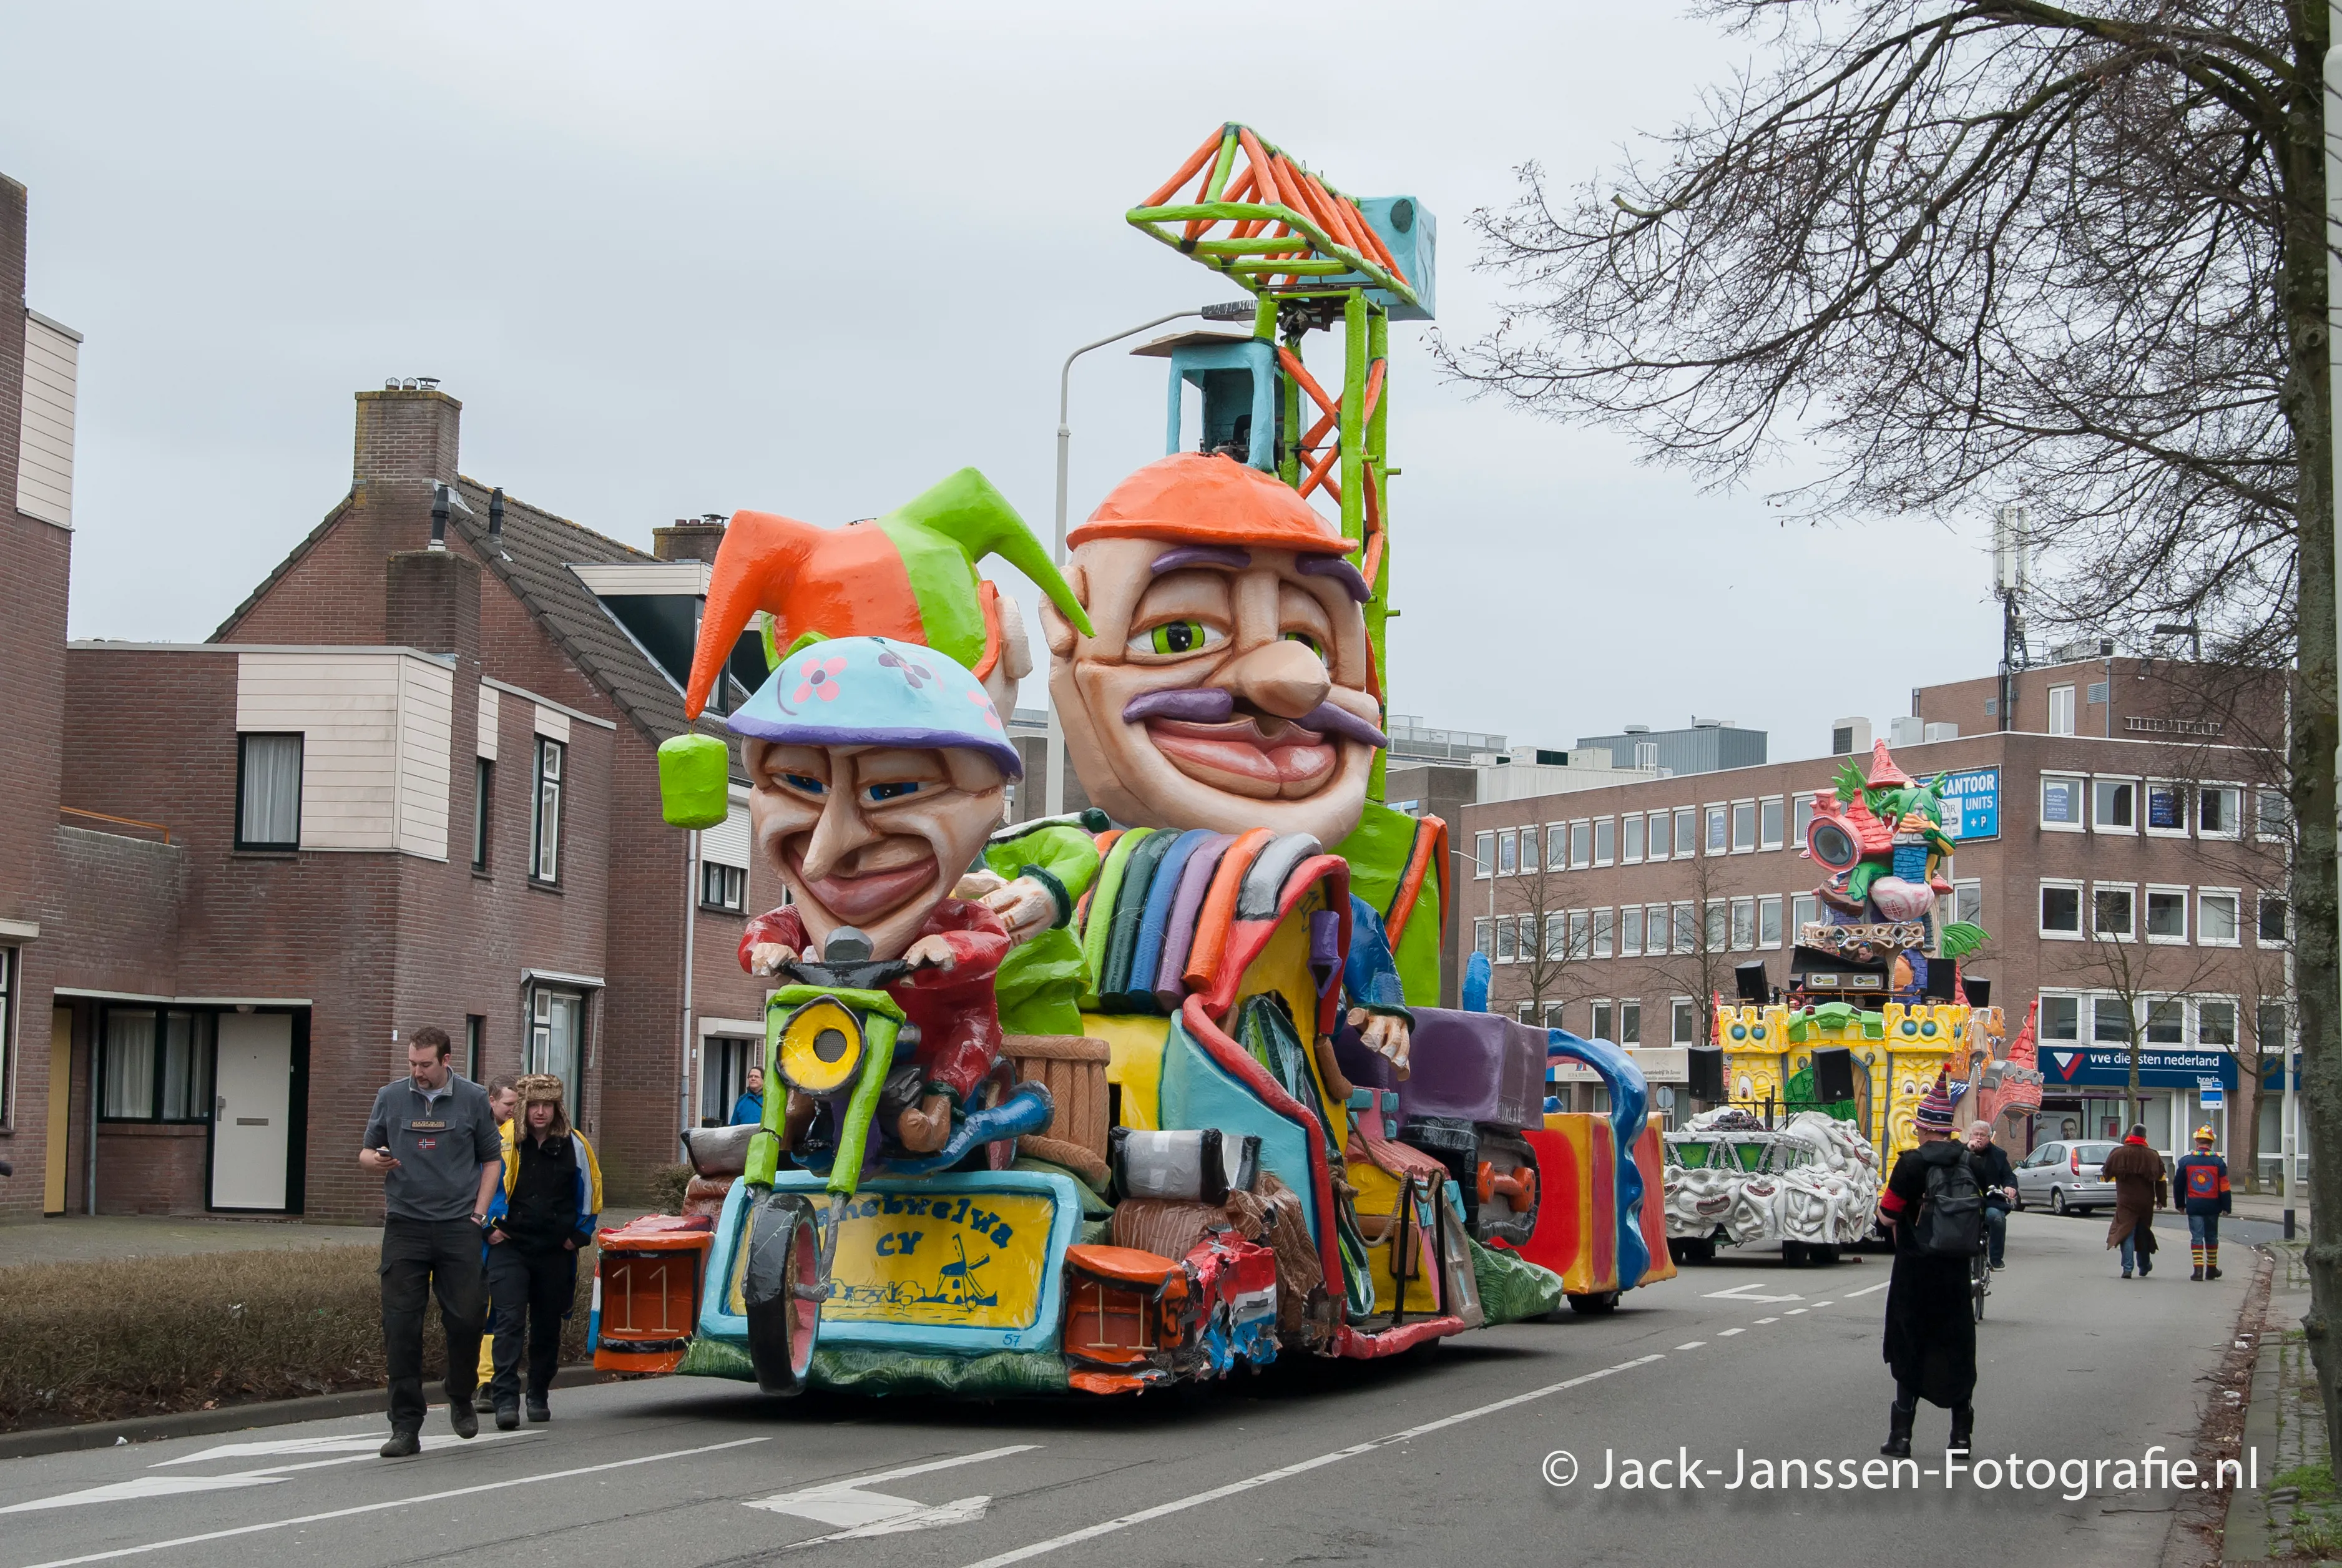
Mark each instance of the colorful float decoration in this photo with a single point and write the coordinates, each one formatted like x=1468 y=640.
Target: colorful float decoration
x=1152 y=1091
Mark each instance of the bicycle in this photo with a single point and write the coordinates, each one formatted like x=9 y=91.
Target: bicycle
x=1980 y=1277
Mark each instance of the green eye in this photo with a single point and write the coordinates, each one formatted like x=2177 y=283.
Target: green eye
x=1177 y=637
x=1307 y=641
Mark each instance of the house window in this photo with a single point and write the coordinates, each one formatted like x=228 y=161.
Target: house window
x=2167 y=1022
x=1768 y=921
x=1552 y=1011
x=1719 y=926
x=2114 y=804
x=1968 y=901
x=1597 y=1019
x=2061 y=710
x=723 y=888
x=556 y=1040
x=1484 y=854
x=1508 y=943
x=1805 y=909
x=2110 y=1021
x=1581 y=846
x=2167 y=808
x=2219 y=810
x=1556 y=846
x=2114 y=911
x=1655 y=930
x=2061 y=802
x=476 y=1044
x=1581 y=933
x=1744 y=827
x=2061 y=1018
x=2166 y=914
x=1529 y=939
x=1529 y=836
x=1508 y=859
x=1686 y=832
x=1630 y=932
x=2269 y=1027
x=1606 y=842
x=1483 y=940
x=1768 y=823
x=1686 y=1022
x=724 y=1063
x=1686 y=928
x=1605 y=935
x=156 y=1065
x=1557 y=939
x=1630 y=839
x=1660 y=841
x=2216 y=1023
x=1718 y=837
x=484 y=775
x=1743 y=925
x=2272 y=813
x=544 y=824
x=1631 y=1023
x=267 y=791
x=2272 y=929
x=2216 y=918
x=2061 y=909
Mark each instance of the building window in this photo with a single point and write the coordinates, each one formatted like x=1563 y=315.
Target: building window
x=2114 y=805
x=1768 y=823
x=1598 y=1020
x=2216 y=918
x=2219 y=810
x=1744 y=827
x=1660 y=841
x=1686 y=1022
x=2167 y=1022
x=2166 y=914
x=1484 y=941
x=1686 y=832
x=2061 y=1018
x=1529 y=836
x=723 y=888
x=1631 y=1023
x=1768 y=921
x=1630 y=839
x=475 y=1045
x=1630 y=932
x=1552 y=1011
x=156 y=1065
x=1803 y=817
x=1968 y=901
x=2061 y=909
x=1805 y=909
x=483 y=777
x=1605 y=935
x=2061 y=710
x=1581 y=933
x=1508 y=947
x=1686 y=928
x=2216 y=1023
x=2114 y=911
x=2273 y=928
x=544 y=824
x=1719 y=925
x=2110 y=1021
x=1484 y=854
x=1718 y=837
x=1606 y=842
x=1581 y=846
x=2167 y=808
x=724 y=1063
x=2269 y=1027
x=556 y=1040
x=1655 y=930
x=1743 y=925
x=1556 y=846
x=268 y=792
x=2061 y=802
x=1557 y=939
x=2272 y=813
x=1508 y=856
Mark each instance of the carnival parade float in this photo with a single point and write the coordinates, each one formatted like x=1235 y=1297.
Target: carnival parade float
x=1110 y=1100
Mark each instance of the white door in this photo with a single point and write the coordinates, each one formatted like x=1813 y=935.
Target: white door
x=252 y=1116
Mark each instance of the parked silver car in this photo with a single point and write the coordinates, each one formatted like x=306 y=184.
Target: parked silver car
x=2065 y=1176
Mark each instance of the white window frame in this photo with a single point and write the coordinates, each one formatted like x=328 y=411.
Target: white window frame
x=1484 y=937
x=1555 y=937
x=1781 y=822
x=1683 y=926
x=1528 y=938
x=1802 y=812
x=1630 y=827
x=1715 y=828
x=2166 y=889
x=2091 y=911
x=2203 y=929
x=1508 y=861
x=2238 y=794
x=1529 y=850
x=1556 y=846
x=2262 y=796
x=1484 y=860
x=2137 y=800
x=1634 y=1004
x=2260 y=903
x=1962 y=885
x=1581 y=853
x=1606 y=925
x=2186 y=808
x=1632 y=913
x=1660 y=936
x=1686 y=844
x=2081 y=783
x=2153 y=999
x=1718 y=928
x=1773 y=902
x=1677 y=1034
x=1738 y=808
x=1805 y=909
x=2081 y=909
x=1742 y=923
x=550 y=785
x=1666 y=819
x=2196 y=1001
x=1581 y=933
x=2069 y=692
x=1605 y=856
x=1508 y=936
x=2080 y=999
x=1597 y=1026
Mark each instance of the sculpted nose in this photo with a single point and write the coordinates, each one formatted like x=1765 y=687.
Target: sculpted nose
x=1284 y=678
x=836 y=837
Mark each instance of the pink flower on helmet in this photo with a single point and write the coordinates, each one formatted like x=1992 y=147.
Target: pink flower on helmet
x=818 y=678
x=991 y=715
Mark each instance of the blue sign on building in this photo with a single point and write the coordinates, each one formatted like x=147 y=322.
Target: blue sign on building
x=2159 y=1067
x=1972 y=800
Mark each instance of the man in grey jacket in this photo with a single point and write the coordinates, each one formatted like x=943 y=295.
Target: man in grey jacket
x=435 y=1142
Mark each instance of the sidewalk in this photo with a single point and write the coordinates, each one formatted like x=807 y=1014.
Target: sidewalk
x=2269 y=1207
x=85 y=1238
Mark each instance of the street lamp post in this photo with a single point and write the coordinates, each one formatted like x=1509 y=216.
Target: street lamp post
x=1054 y=804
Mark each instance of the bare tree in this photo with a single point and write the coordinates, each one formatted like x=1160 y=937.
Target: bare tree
x=1962 y=251
x=1698 y=957
x=1552 y=942
x=2146 y=979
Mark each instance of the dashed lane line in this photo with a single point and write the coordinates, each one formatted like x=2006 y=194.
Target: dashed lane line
x=120 y=1552
x=1269 y=1477
x=1766 y=1319
x=1691 y=1344
x=1866 y=1289
x=1727 y=1333
x=1792 y=1312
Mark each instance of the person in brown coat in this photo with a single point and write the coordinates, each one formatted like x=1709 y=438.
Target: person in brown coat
x=2137 y=1172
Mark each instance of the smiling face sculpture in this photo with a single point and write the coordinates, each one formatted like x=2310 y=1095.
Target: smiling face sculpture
x=1226 y=683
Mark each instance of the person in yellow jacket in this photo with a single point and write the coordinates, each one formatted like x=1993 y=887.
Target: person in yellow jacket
x=544 y=1212
x=503 y=1104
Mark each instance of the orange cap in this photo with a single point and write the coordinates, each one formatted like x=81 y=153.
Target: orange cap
x=1211 y=500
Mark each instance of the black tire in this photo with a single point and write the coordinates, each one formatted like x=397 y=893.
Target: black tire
x=2057 y=1201
x=1822 y=1257
x=1691 y=1250
x=1595 y=1303
x=784 y=1263
x=1794 y=1254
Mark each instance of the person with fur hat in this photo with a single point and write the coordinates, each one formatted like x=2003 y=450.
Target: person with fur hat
x=2201 y=1185
x=2137 y=1172
x=1930 y=1327
x=544 y=1214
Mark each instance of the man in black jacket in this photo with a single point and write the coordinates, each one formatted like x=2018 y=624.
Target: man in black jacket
x=1998 y=1177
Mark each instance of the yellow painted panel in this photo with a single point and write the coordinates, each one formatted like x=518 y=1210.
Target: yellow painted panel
x=1135 y=1064
x=948 y=1260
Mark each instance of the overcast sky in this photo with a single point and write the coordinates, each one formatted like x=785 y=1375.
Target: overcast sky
x=811 y=259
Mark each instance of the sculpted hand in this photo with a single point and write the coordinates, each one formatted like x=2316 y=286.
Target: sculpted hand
x=1025 y=907
x=930 y=953
x=977 y=885
x=765 y=957
x=1387 y=1037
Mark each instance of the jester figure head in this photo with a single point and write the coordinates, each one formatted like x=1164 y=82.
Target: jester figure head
x=1224 y=681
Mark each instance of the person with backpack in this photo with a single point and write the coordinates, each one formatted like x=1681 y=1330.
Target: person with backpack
x=2137 y=1172
x=2202 y=1187
x=1935 y=1207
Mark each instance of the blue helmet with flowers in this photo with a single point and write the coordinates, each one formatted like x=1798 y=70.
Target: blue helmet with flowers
x=876 y=692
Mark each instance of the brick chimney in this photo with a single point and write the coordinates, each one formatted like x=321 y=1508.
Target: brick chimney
x=432 y=602
x=691 y=539
x=406 y=438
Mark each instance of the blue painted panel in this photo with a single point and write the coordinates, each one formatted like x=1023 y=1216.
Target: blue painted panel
x=1198 y=1092
x=1629 y=1113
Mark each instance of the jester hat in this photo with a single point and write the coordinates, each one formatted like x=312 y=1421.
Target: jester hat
x=909 y=575
x=1210 y=500
x=876 y=692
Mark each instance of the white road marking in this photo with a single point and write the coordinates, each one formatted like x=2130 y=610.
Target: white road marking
x=1746 y=1294
x=1728 y=1332
x=1818 y=1305
x=267 y=1476
x=856 y=1513
x=1691 y=1344
x=1792 y=1312
x=1269 y=1477
x=392 y=1503
x=1762 y=1320
x=1866 y=1289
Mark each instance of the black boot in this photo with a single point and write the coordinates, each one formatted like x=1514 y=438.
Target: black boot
x=1963 y=1427
x=1899 y=1431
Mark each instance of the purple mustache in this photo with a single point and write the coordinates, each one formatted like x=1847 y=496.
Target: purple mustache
x=1216 y=704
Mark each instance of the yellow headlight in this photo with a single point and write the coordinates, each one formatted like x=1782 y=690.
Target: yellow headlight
x=821 y=1046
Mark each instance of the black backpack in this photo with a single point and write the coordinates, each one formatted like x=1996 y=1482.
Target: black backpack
x=1951 y=1213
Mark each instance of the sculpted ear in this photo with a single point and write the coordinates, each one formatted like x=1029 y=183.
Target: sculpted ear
x=1055 y=630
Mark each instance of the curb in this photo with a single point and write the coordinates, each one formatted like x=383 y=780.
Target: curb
x=228 y=1418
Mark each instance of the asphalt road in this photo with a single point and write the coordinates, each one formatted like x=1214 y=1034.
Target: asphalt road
x=1435 y=1460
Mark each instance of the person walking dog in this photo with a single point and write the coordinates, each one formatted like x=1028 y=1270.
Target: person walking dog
x=542 y=1212
x=2137 y=1172
x=434 y=1142
x=2201 y=1184
x=1934 y=1206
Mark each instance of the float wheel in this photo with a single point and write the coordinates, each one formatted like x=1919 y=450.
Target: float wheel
x=782 y=1292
